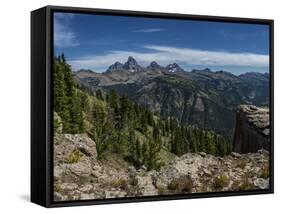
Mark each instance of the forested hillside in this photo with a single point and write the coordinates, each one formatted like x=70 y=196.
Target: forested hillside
x=121 y=126
x=203 y=98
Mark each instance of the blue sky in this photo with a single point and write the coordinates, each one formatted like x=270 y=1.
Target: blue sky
x=96 y=41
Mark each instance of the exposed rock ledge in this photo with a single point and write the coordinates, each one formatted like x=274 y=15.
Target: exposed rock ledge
x=252 y=131
x=78 y=174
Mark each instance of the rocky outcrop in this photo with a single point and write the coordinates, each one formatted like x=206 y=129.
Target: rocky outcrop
x=252 y=131
x=80 y=175
x=193 y=173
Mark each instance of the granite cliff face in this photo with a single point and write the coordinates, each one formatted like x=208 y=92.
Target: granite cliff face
x=252 y=131
x=80 y=175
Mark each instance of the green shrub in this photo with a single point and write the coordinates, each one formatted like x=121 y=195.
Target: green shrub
x=161 y=190
x=119 y=183
x=173 y=185
x=246 y=185
x=57 y=187
x=56 y=125
x=221 y=182
x=74 y=156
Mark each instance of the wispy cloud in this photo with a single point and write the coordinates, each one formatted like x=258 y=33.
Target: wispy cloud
x=149 y=30
x=64 y=36
x=205 y=57
x=165 y=55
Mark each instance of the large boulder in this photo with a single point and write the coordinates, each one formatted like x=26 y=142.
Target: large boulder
x=75 y=156
x=66 y=144
x=252 y=131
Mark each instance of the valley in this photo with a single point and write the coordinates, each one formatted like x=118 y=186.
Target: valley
x=203 y=98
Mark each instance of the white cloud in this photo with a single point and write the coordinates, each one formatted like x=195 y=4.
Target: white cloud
x=63 y=35
x=203 y=57
x=149 y=30
x=165 y=55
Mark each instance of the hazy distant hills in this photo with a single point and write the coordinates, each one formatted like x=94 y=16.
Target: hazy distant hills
x=201 y=97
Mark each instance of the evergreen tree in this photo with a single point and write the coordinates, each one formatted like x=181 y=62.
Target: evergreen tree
x=99 y=95
x=124 y=111
x=145 y=153
x=138 y=160
x=66 y=101
x=113 y=99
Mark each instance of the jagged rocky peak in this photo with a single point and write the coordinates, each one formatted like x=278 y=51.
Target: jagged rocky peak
x=117 y=66
x=153 y=65
x=131 y=60
x=252 y=131
x=132 y=65
x=174 y=67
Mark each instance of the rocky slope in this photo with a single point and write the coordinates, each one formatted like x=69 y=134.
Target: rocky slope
x=252 y=130
x=79 y=174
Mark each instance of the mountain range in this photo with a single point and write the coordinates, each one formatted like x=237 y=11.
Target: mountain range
x=204 y=98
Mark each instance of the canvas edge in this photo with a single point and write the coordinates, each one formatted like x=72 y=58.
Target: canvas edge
x=49 y=50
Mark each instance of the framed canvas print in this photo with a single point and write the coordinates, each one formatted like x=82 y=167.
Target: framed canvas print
x=134 y=106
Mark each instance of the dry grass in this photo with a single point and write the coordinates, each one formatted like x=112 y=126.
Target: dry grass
x=57 y=187
x=242 y=164
x=181 y=184
x=246 y=184
x=161 y=190
x=119 y=183
x=265 y=172
x=221 y=181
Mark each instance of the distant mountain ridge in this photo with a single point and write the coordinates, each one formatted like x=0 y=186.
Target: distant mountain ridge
x=132 y=65
x=201 y=97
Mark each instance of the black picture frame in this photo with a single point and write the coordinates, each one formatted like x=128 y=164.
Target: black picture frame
x=42 y=114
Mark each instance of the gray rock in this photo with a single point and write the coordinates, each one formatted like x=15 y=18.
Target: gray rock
x=68 y=188
x=263 y=151
x=143 y=168
x=85 y=196
x=58 y=197
x=235 y=155
x=203 y=154
x=86 y=188
x=207 y=172
x=145 y=186
x=261 y=183
x=132 y=171
x=81 y=169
